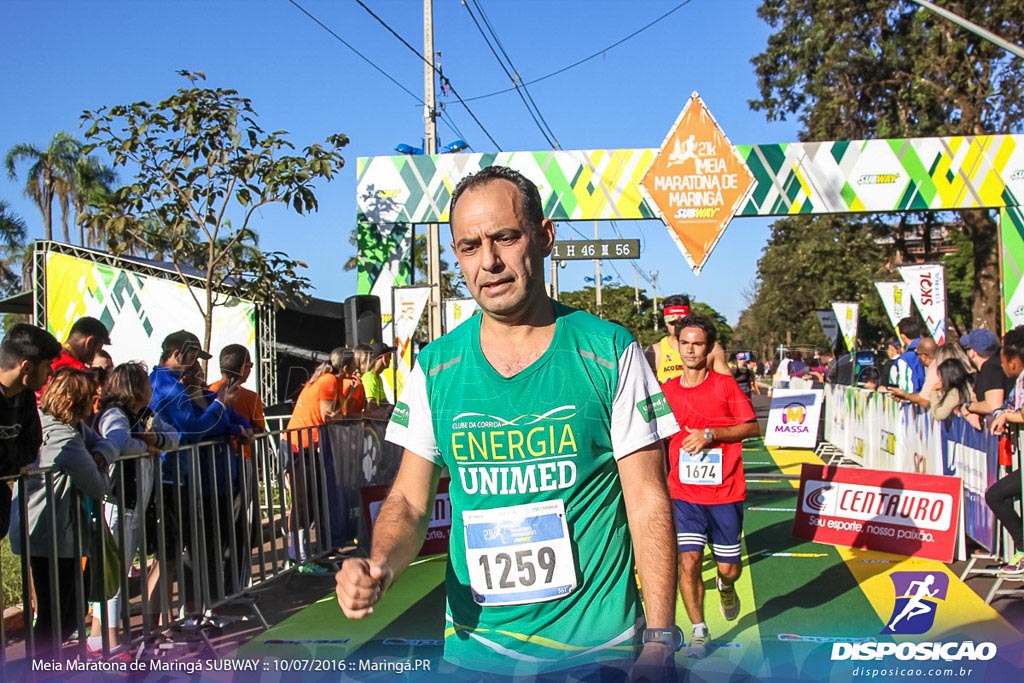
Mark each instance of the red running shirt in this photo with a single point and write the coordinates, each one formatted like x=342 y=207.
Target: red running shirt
x=716 y=402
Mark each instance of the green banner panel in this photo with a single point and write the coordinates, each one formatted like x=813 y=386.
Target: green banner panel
x=790 y=178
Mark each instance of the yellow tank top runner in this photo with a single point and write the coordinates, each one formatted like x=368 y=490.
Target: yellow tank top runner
x=671 y=364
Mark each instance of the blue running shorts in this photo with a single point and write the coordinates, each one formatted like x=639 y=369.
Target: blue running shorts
x=722 y=524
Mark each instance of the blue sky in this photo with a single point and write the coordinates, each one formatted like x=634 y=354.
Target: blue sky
x=63 y=57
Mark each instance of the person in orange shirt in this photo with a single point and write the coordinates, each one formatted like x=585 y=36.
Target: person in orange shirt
x=317 y=405
x=235 y=368
x=351 y=395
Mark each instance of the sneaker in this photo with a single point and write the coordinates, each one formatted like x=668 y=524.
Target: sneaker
x=1016 y=566
x=730 y=601
x=313 y=568
x=699 y=641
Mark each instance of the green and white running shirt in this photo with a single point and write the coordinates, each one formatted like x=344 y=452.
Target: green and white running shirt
x=540 y=568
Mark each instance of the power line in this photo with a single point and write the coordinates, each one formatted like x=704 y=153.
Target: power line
x=437 y=71
x=513 y=75
x=448 y=120
x=358 y=53
x=587 y=59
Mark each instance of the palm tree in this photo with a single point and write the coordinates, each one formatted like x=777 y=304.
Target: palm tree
x=93 y=186
x=51 y=174
x=12 y=243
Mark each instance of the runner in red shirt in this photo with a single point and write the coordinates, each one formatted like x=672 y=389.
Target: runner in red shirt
x=706 y=473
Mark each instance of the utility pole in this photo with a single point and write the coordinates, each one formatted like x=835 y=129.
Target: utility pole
x=597 y=271
x=636 y=289
x=430 y=147
x=654 y=287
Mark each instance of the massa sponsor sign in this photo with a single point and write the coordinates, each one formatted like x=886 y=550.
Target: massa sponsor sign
x=894 y=512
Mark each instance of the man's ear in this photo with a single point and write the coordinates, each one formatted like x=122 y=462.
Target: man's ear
x=546 y=236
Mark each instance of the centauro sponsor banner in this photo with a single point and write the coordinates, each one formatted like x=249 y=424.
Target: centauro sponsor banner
x=896 y=512
x=793 y=418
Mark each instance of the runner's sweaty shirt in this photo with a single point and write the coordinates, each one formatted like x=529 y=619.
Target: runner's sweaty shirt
x=555 y=593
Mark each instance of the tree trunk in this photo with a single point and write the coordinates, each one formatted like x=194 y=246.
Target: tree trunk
x=48 y=205
x=981 y=228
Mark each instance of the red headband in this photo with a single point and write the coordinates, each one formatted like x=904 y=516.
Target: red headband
x=676 y=311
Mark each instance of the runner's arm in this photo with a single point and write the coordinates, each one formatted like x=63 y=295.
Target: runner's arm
x=398 y=535
x=649 y=511
x=401 y=525
x=736 y=433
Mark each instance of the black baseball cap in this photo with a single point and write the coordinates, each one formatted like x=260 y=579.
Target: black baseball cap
x=184 y=341
x=379 y=348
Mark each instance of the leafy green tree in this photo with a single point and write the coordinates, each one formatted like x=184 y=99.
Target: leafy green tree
x=203 y=168
x=50 y=175
x=12 y=245
x=620 y=304
x=809 y=263
x=877 y=69
x=94 y=186
x=959 y=281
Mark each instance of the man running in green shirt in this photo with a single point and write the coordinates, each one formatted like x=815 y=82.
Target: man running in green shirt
x=550 y=422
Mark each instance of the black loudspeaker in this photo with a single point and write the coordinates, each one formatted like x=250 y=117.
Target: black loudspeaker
x=362 y=320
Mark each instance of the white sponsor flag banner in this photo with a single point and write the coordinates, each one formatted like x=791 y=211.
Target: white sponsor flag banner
x=829 y=326
x=793 y=418
x=458 y=311
x=847 y=314
x=409 y=303
x=927 y=284
x=896 y=299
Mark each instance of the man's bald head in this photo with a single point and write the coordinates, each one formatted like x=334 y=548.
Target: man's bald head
x=926 y=349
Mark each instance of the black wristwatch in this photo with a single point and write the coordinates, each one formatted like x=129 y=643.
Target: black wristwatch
x=671 y=637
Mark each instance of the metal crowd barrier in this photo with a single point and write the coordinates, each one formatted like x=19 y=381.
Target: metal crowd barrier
x=221 y=526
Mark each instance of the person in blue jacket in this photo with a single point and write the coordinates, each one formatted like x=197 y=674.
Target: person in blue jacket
x=199 y=416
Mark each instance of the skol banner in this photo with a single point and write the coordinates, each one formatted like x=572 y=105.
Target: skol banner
x=894 y=512
x=458 y=311
x=896 y=299
x=848 y=316
x=829 y=326
x=793 y=418
x=927 y=284
x=408 y=304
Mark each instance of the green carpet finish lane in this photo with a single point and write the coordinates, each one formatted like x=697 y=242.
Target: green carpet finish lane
x=413 y=611
x=797 y=598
